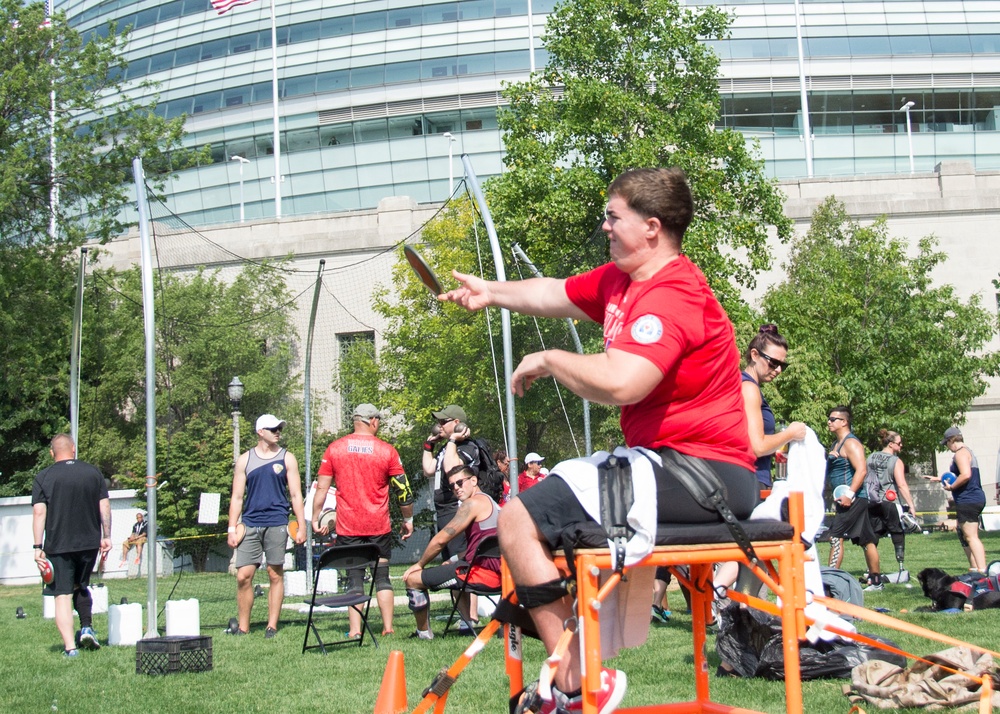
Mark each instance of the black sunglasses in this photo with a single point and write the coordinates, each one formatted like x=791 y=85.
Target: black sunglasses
x=273 y=429
x=459 y=483
x=774 y=363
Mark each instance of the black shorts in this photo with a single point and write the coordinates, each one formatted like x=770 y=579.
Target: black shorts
x=969 y=512
x=384 y=543
x=554 y=508
x=884 y=518
x=853 y=523
x=71 y=571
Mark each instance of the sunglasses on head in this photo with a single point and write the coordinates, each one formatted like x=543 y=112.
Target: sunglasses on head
x=773 y=363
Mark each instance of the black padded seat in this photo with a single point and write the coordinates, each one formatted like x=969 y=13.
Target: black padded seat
x=716 y=533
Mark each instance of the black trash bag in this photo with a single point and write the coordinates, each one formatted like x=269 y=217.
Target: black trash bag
x=749 y=642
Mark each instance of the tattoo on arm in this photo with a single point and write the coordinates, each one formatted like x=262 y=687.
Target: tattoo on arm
x=450 y=531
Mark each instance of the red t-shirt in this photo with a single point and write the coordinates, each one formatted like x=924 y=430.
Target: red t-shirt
x=361 y=466
x=674 y=321
x=524 y=481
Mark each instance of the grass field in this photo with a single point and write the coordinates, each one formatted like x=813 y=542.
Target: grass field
x=251 y=674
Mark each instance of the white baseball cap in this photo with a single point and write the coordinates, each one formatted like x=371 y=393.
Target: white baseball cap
x=269 y=421
x=532 y=457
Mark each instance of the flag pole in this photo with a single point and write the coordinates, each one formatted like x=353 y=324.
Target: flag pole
x=274 y=107
x=53 y=186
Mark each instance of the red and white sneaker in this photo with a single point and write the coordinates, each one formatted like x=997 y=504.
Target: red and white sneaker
x=613 y=685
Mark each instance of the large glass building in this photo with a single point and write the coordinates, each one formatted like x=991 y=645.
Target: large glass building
x=375 y=96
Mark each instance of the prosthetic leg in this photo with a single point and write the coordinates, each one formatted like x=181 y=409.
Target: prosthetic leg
x=899 y=545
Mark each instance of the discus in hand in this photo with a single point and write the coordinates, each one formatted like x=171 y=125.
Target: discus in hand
x=423 y=271
x=241 y=533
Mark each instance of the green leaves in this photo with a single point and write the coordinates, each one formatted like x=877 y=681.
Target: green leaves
x=99 y=129
x=628 y=85
x=867 y=328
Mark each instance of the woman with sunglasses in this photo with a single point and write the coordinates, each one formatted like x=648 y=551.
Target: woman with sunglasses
x=764 y=360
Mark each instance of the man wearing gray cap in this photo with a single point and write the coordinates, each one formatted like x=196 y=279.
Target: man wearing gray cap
x=266 y=486
x=362 y=467
x=452 y=428
x=963 y=483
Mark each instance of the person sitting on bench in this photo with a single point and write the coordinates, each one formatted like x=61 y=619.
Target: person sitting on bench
x=670 y=362
x=477 y=519
x=137 y=539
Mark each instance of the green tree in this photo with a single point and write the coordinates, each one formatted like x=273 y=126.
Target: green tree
x=627 y=84
x=868 y=328
x=631 y=84
x=208 y=331
x=37 y=288
x=98 y=130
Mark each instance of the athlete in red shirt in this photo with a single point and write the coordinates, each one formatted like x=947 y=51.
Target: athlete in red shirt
x=362 y=467
x=671 y=363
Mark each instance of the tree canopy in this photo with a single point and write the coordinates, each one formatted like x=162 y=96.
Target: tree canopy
x=95 y=139
x=627 y=84
x=867 y=327
x=630 y=84
x=208 y=331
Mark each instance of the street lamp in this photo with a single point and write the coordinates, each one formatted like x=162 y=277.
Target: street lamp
x=235 y=392
x=242 y=161
x=451 y=175
x=909 y=130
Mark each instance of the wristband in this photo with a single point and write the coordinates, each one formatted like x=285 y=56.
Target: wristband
x=408 y=521
x=850 y=495
x=428 y=446
x=37 y=546
x=231 y=529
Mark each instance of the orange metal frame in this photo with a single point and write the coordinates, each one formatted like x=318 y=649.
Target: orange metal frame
x=781 y=570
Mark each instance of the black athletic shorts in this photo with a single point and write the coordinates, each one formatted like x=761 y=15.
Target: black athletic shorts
x=384 y=542
x=554 y=508
x=884 y=518
x=852 y=523
x=70 y=571
x=969 y=512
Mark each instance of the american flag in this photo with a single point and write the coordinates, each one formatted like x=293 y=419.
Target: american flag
x=224 y=6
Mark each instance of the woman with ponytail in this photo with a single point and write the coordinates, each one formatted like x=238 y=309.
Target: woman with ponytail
x=765 y=359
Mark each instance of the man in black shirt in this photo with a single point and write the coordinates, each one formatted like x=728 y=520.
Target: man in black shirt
x=451 y=428
x=70 y=508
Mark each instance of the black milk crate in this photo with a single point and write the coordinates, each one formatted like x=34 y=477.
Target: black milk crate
x=169 y=655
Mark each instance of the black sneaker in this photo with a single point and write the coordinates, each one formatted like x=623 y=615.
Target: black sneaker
x=269 y=633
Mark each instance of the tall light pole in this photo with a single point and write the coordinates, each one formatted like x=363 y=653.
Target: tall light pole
x=909 y=130
x=242 y=161
x=451 y=169
x=235 y=392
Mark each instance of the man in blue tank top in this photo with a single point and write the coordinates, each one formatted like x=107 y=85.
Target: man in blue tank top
x=846 y=467
x=266 y=486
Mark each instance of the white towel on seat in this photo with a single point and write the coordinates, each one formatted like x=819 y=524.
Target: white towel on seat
x=581 y=476
x=625 y=612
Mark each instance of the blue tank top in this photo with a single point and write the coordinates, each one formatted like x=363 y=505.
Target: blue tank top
x=972 y=491
x=763 y=464
x=265 y=503
x=839 y=471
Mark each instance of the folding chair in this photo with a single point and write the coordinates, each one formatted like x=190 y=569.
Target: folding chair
x=344 y=558
x=489 y=547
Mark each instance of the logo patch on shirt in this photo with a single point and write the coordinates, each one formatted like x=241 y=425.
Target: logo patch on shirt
x=278 y=468
x=647 y=329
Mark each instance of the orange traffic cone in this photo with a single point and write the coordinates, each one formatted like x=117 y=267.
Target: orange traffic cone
x=392 y=693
